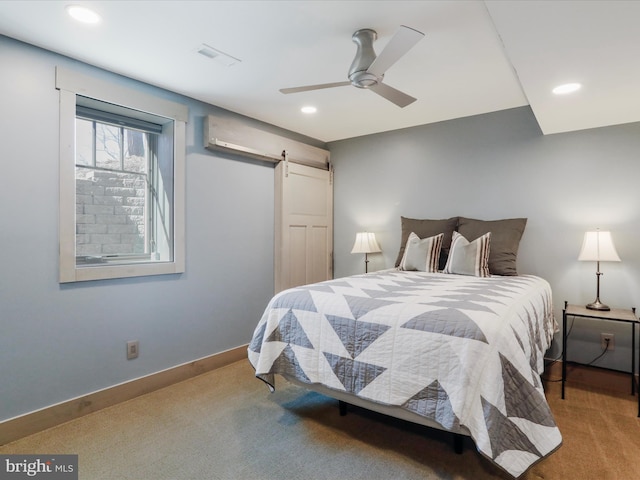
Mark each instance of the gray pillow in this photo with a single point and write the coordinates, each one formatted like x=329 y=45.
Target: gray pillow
x=469 y=258
x=428 y=228
x=505 y=240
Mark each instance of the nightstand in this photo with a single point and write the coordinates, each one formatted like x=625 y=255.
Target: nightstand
x=613 y=315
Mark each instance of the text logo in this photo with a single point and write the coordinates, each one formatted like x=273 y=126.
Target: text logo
x=42 y=467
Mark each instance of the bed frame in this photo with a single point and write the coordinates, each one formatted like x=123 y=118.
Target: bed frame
x=345 y=399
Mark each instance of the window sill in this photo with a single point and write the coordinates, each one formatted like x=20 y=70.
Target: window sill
x=103 y=272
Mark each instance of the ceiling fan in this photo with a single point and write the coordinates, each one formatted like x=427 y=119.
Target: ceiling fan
x=367 y=70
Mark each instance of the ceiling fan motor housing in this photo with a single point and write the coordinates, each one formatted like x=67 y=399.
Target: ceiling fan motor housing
x=365 y=56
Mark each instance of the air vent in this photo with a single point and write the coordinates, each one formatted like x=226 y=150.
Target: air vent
x=217 y=56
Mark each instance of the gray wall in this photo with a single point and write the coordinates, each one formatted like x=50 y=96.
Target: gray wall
x=61 y=341
x=499 y=165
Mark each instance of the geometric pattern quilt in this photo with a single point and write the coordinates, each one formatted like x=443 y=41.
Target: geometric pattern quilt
x=459 y=350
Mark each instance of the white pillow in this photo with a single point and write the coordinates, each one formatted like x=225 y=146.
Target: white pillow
x=469 y=258
x=423 y=254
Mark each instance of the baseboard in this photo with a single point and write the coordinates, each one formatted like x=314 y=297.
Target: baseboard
x=591 y=376
x=29 y=423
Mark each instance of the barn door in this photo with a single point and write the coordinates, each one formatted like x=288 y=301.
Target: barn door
x=304 y=225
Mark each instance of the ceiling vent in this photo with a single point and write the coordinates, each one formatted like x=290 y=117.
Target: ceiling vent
x=217 y=56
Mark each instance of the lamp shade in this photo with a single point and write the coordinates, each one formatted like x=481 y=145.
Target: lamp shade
x=365 y=243
x=598 y=247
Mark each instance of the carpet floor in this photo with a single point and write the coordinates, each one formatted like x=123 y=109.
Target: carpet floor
x=226 y=425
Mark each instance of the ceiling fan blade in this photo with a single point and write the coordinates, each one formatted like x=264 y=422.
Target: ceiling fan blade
x=403 y=40
x=393 y=95
x=314 y=87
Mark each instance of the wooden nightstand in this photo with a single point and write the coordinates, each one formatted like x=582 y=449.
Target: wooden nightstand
x=614 y=315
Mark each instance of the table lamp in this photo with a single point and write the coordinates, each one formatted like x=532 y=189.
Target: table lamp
x=366 y=243
x=598 y=247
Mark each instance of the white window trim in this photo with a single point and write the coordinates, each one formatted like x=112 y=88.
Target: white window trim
x=71 y=84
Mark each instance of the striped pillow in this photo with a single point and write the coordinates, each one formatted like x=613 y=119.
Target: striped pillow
x=423 y=254
x=469 y=258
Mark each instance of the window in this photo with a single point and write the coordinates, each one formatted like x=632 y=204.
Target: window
x=121 y=182
x=119 y=199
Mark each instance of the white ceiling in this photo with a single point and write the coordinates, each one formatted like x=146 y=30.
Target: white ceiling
x=476 y=57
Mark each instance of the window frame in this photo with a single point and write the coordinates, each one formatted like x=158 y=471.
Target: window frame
x=70 y=84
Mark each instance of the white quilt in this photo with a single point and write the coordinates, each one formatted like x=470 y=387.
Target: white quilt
x=459 y=350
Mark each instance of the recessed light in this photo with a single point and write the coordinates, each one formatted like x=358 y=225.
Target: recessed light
x=309 y=109
x=83 y=14
x=566 y=88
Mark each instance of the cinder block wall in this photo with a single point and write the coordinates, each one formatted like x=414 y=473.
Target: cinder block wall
x=110 y=216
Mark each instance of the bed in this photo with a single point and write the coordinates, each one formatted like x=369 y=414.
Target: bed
x=454 y=351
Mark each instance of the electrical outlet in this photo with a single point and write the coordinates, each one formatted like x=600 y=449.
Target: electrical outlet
x=133 y=348
x=607 y=337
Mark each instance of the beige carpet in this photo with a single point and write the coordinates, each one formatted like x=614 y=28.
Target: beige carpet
x=226 y=425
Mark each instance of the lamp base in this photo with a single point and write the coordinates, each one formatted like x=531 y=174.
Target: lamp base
x=598 y=305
